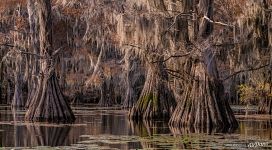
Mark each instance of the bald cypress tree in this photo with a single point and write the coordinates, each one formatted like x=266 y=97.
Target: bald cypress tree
x=48 y=103
x=202 y=103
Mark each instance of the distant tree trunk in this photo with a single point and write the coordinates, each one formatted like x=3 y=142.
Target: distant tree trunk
x=157 y=99
x=107 y=96
x=265 y=40
x=34 y=44
x=96 y=68
x=9 y=91
x=18 y=100
x=265 y=106
x=48 y=103
x=131 y=94
x=1 y=83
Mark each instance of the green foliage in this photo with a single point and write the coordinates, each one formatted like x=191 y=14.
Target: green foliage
x=256 y=92
x=247 y=93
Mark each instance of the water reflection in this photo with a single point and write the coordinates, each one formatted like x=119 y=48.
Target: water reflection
x=207 y=130
x=261 y=129
x=111 y=128
x=149 y=128
x=47 y=136
x=29 y=134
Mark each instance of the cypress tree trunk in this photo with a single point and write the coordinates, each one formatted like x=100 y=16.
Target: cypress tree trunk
x=156 y=100
x=203 y=103
x=18 y=100
x=48 y=103
x=34 y=44
x=106 y=96
x=265 y=106
x=130 y=68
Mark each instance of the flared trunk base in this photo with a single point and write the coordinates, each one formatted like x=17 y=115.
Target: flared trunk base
x=48 y=103
x=203 y=105
x=156 y=100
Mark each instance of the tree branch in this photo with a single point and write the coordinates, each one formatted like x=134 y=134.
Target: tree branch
x=245 y=70
x=219 y=23
x=172 y=56
x=21 y=51
x=179 y=73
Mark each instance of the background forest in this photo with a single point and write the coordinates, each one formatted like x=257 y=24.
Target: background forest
x=183 y=60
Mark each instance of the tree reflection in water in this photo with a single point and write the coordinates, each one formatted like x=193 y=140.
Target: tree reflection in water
x=207 y=130
x=158 y=135
x=113 y=129
x=39 y=134
x=48 y=136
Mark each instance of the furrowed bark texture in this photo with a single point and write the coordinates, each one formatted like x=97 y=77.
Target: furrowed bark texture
x=48 y=103
x=156 y=100
x=202 y=103
x=18 y=100
x=33 y=20
x=132 y=77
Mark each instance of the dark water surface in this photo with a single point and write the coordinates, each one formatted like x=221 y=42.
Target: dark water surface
x=111 y=129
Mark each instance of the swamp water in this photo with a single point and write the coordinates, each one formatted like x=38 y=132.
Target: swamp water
x=110 y=129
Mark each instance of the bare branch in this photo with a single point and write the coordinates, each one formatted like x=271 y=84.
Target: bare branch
x=57 y=51
x=181 y=75
x=245 y=70
x=19 y=50
x=219 y=23
x=173 y=56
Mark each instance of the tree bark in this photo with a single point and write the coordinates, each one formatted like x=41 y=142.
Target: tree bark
x=48 y=103
x=34 y=46
x=156 y=100
x=18 y=100
x=205 y=9
x=106 y=94
x=131 y=66
x=203 y=103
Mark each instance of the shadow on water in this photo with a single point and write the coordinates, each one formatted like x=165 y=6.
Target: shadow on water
x=111 y=129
